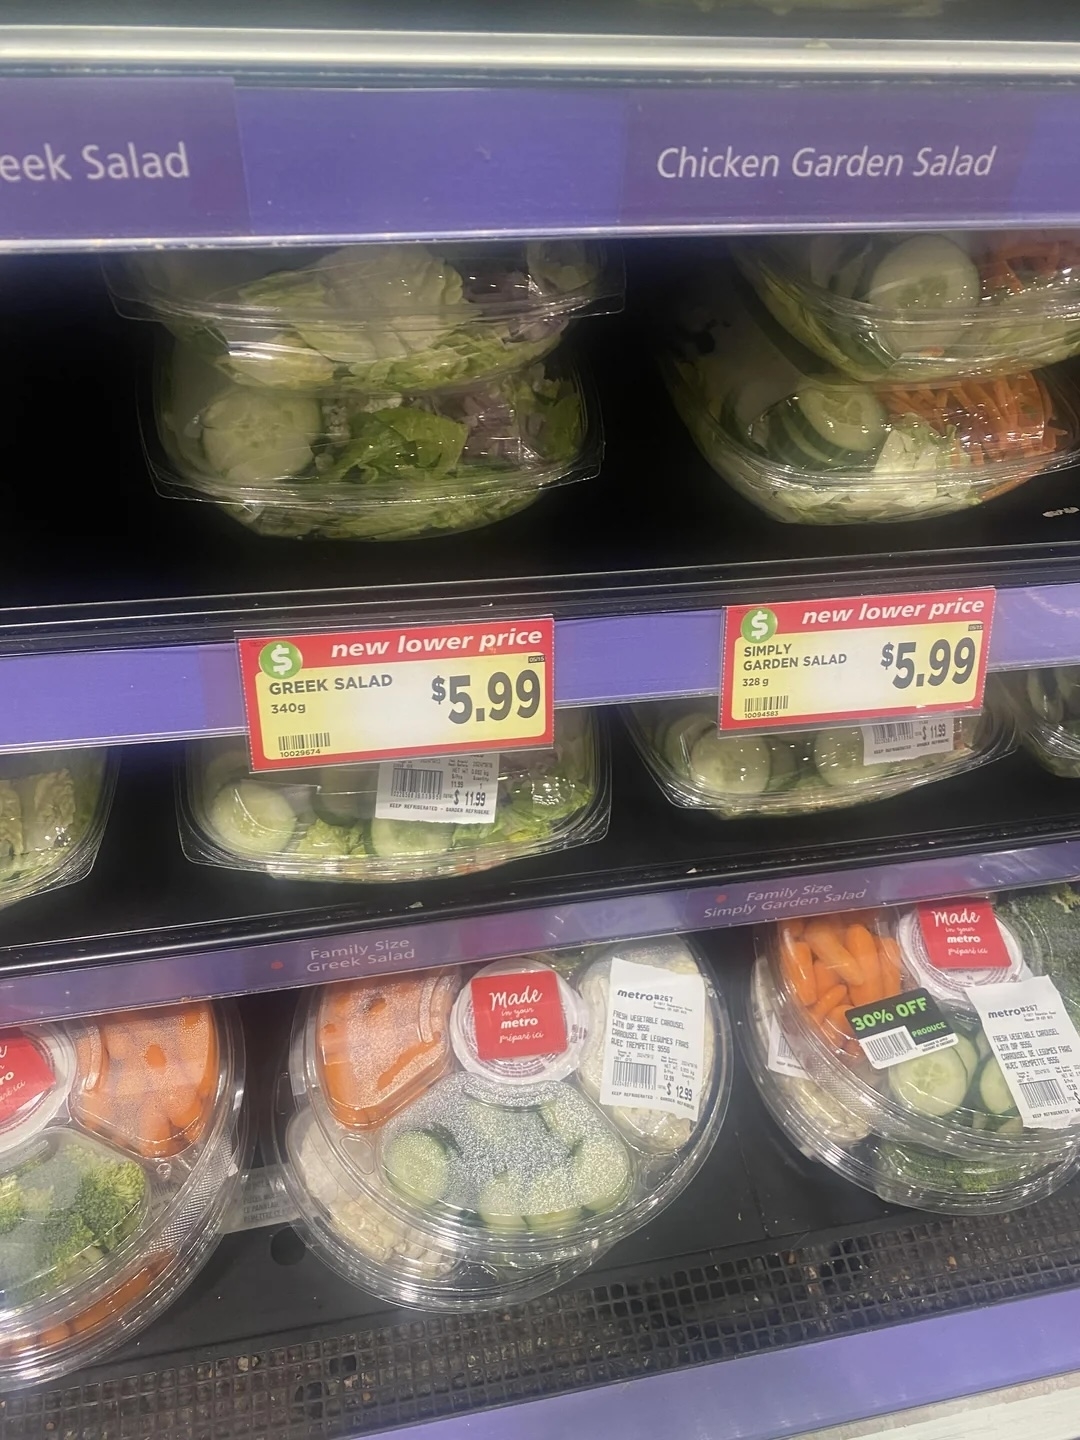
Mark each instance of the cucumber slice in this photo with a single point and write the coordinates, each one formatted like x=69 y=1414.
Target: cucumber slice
x=502 y=1203
x=933 y=1085
x=839 y=758
x=982 y=1045
x=552 y=1201
x=931 y=274
x=566 y=1117
x=994 y=1092
x=851 y=268
x=1011 y=1125
x=804 y=435
x=341 y=797
x=968 y=1054
x=256 y=437
x=783 y=764
x=731 y=764
x=794 y=442
x=252 y=818
x=410 y=837
x=681 y=735
x=845 y=416
x=601 y=1170
x=418 y=1165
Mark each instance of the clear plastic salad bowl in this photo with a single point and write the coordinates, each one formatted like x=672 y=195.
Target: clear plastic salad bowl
x=335 y=464
x=916 y=308
x=122 y=1143
x=514 y=1164
x=810 y=445
x=1047 y=706
x=954 y=1100
x=53 y=808
x=796 y=771
x=819 y=1125
x=323 y=823
x=383 y=319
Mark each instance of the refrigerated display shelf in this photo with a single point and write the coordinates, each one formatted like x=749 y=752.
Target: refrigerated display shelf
x=761 y=1285
x=119 y=608
x=148 y=926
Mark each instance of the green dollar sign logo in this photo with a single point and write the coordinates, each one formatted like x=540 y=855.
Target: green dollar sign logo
x=280 y=660
x=758 y=625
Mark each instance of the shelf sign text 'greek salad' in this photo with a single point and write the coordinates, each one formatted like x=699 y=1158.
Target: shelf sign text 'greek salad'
x=806 y=661
x=359 y=695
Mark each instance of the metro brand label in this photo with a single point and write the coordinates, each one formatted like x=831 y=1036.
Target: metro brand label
x=25 y=1074
x=963 y=935
x=518 y=1015
x=420 y=690
x=812 y=661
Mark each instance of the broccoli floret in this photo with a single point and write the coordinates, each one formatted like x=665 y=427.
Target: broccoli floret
x=12 y=1204
x=65 y=1245
x=109 y=1199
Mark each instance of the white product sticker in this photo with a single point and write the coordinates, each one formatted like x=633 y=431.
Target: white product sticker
x=907 y=739
x=1037 y=1047
x=655 y=1045
x=263 y=1200
x=462 y=788
x=782 y=1060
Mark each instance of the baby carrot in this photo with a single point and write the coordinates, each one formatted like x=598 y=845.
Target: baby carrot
x=797 y=964
x=837 y=1020
x=829 y=1001
x=889 y=953
x=825 y=977
x=861 y=944
x=826 y=944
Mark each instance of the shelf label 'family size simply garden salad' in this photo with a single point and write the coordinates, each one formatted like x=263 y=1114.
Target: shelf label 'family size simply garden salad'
x=384 y=694
x=858 y=657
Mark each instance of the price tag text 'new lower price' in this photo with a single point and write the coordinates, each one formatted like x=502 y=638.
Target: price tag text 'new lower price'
x=349 y=696
x=815 y=661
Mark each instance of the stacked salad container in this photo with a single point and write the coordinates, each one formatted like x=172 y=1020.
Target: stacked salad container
x=884 y=377
x=789 y=772
x=370 y=392
x=358 y=822
x=1047 y=707
x=122 y=1145
x=53 y=809
x=457 y=1139
x=872 y=1048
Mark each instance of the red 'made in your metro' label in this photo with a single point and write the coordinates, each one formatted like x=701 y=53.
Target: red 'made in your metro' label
x=963 y=935
x=518 y=1014
x=25 y=1074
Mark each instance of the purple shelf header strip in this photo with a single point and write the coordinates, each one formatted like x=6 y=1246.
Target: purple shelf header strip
x=176 y=692
x=93 y=158
x=420 y=945
x=789 y=1392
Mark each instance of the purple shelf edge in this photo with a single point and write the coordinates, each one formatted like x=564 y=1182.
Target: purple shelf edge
x=418 y=944
x=178 y=692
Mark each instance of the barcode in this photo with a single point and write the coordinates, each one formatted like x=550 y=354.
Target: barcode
x=1042 y=1092
x=633 y=1075
x=409 y=784
x=318 y=740
x=783 y=1049
x=890 y=734
x=893 y=1045
x=767 y=704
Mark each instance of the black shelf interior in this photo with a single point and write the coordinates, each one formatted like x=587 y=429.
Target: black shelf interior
x=764 y=1249
x=96 y=557
x=144 y=898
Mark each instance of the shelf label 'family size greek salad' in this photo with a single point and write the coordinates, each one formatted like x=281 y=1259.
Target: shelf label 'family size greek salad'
x=422 y=690
x=804 y=661
x=654 y=1046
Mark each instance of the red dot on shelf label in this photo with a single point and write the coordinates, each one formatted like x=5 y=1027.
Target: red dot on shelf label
x=277 y=964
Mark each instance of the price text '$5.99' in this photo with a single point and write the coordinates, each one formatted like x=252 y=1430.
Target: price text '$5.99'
x=943 y=662
x=504 y=694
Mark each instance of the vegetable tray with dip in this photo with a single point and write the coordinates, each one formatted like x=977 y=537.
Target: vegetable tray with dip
x=828 y=1131
x=920 y=308
x=325 y=823
x=121 y=1147
x=381 y=319
x=334 y=464
x=813 y=446
x=443 y=1158
x=954 y=1100
x=797 y=771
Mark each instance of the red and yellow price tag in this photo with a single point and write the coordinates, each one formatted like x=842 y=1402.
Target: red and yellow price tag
x=348 y=696
x=805 y=662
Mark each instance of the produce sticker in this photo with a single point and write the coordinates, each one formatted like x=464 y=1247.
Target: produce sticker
x=804 y=662
x=423 y=690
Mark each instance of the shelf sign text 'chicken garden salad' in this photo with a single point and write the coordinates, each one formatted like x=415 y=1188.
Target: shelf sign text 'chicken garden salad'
x=356 y=695
x=804 y=661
